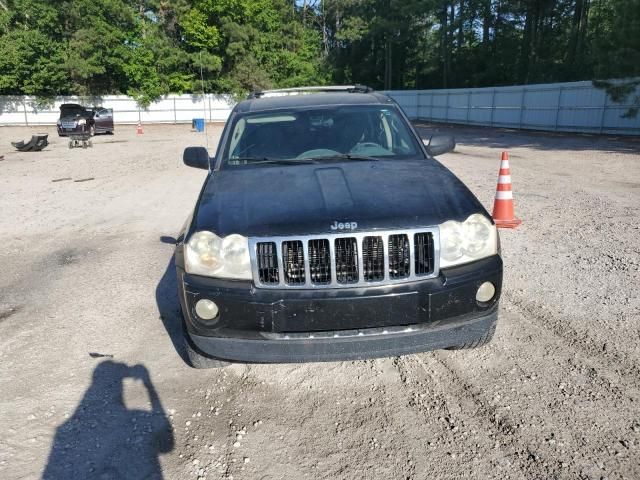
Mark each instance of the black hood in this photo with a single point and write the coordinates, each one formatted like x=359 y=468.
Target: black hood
x=72 y=111
x=308 y=199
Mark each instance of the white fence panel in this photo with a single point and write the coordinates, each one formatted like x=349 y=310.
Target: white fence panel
x=569 y=107
x=171 y=109
x=480 y=107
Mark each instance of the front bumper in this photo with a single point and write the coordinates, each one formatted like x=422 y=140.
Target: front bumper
x=264 y=325
x=78 y=130
x=355 y=347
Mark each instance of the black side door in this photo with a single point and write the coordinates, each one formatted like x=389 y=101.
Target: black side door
x=104 y=120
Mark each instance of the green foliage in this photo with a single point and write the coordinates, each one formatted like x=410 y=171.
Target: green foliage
x=149 y=48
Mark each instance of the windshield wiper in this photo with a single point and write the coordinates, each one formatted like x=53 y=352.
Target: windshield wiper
x=279 y=161
x=346 y=156
x=295 y=161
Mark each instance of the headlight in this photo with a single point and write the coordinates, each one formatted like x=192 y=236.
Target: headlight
x=473 y=239
x=207 y=254
x=81 y=122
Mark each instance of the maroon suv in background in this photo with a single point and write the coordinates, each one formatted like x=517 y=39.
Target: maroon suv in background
x=76 y=119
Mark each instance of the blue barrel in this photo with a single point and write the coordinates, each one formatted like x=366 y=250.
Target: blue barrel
x=198 y=123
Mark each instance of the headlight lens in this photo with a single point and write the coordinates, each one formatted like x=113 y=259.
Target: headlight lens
x=207 y=254
x=473 y=239
x=82 y=121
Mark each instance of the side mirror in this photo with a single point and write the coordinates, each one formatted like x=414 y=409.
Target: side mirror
x=439 y=144
x=196 y=157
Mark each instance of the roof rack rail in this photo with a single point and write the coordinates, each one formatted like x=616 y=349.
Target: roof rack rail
x=314 y=89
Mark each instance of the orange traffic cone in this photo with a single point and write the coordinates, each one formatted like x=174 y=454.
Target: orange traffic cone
x=503 y=213
x=139 y=129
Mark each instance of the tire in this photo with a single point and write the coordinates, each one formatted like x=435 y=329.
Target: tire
x=199 y=360
x=478 y=342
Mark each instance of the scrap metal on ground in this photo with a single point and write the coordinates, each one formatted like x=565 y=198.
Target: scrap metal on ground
x=37 y=143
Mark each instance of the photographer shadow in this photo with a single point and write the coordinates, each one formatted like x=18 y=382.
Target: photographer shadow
x=104 y=439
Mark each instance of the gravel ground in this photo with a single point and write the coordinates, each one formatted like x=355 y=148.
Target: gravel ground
x=93 y=382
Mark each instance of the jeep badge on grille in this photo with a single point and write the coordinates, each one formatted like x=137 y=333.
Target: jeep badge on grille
x=344 y=226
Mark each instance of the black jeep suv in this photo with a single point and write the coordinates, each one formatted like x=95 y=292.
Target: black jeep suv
x=325 y=230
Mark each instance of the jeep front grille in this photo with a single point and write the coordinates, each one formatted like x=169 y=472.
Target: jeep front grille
x=293 y=262
x=319 y=262
x=423 y=256
x=345 y=260
x=399 y=259
x=346 y=252
x=267 y=263
x=373 y=259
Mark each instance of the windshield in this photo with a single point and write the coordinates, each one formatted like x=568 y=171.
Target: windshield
x=73 y=110
x=320 y=134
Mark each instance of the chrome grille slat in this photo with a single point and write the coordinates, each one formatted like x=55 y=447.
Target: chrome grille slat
x=412 y=270
x=385 y=239
x=353 y=260
x=332 y=252
x=307 y=268
x=280 y=264
x=360 y=262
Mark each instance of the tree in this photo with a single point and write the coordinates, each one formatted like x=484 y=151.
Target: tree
x=148 y=48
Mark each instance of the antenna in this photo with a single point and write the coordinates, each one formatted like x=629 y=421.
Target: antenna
x=204 y=105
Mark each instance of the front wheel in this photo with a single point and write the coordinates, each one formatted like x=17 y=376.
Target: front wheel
x=478 y=342
x=200 y=360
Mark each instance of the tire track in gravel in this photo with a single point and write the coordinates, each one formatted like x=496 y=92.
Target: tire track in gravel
x=483 y=418
x=627 y=371
x=357 y=431
x=408 y=462
x=534 y=460
x=558 y=423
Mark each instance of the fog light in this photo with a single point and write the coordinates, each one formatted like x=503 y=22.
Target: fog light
x=206 y=309
x=485 y=292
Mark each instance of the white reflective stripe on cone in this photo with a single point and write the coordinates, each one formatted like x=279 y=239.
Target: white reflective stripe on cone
x=504 y=179
x=504 y=164
x=504 y=195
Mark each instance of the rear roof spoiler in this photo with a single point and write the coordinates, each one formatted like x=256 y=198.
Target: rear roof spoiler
x=306 y=90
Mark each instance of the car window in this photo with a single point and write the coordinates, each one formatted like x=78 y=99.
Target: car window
x=71 y=110
x=321 y=132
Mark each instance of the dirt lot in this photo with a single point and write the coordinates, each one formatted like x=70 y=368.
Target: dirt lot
x=86 y=272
